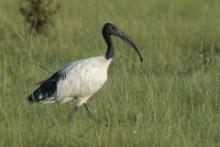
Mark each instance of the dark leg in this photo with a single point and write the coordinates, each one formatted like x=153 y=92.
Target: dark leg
x=91 y=116
x=70 y=115
x=87 y=109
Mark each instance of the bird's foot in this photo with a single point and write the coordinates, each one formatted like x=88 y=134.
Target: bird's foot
x=70 y=117
x=99 y=121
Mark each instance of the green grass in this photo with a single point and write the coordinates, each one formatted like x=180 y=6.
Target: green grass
x=171 y=100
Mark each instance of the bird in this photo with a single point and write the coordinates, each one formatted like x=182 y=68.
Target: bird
x=81 y=79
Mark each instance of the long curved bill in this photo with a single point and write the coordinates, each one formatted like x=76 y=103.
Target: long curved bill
x=125 y=37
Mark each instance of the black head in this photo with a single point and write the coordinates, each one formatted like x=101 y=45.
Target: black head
x=110 y=29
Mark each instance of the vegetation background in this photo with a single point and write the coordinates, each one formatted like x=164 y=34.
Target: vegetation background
x=171 y=100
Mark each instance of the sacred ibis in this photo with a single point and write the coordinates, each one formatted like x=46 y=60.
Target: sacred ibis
x=81 y=79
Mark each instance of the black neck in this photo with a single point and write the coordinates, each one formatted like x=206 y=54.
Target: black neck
x=110 y=48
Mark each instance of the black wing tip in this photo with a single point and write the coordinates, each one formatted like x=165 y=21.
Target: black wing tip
x=31 y=99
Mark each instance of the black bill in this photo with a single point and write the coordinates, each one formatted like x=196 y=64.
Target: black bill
x=125 y=37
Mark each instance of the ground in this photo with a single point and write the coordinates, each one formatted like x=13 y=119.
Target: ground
x=172 y=99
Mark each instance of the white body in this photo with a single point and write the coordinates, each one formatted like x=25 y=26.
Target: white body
x=83 y=79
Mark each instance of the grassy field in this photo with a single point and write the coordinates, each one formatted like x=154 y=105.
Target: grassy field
x=171 y=100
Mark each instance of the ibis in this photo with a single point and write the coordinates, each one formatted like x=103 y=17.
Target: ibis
x=80 y=80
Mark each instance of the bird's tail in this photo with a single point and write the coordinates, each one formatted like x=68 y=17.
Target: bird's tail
x=30 y=98
x=36 y=96
x=46 y=90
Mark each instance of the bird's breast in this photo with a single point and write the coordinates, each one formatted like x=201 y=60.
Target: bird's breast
x=91 y=80
x=84 y=80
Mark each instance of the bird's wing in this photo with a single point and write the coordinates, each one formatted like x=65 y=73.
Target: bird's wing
x=48 y=87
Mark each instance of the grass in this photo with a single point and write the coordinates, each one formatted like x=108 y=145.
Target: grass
x=171 y=100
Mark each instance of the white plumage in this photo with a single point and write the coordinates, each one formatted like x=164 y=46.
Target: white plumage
x=83 y=79
x=80 y=79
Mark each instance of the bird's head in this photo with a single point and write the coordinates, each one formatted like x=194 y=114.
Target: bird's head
x=110 y=29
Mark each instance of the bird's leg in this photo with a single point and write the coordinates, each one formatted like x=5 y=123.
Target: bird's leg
x=90 y=115
x=70 y=115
